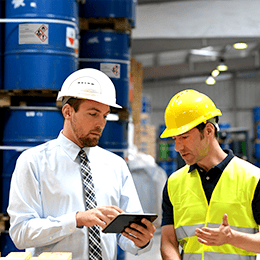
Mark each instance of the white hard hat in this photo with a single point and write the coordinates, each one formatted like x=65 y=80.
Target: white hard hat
x=89 y=83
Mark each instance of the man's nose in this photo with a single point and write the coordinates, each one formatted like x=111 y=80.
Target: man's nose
x=178 y=145
x=101 y=122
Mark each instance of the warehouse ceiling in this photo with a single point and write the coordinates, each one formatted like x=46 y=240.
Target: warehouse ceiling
x=180 y=39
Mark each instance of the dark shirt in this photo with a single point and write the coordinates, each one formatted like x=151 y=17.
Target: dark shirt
x=209 y=180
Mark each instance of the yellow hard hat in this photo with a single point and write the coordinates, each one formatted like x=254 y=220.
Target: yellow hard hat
x=186 y=110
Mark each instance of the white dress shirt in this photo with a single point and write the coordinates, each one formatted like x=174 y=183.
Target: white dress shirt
x=46 y=192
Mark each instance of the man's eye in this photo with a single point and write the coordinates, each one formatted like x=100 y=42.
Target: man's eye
x=93 y=114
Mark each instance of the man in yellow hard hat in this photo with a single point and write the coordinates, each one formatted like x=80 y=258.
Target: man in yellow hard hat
x=211 y=206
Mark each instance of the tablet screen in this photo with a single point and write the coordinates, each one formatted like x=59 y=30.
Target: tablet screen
x=123 y=220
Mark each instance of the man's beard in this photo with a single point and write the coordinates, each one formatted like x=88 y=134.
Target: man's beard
x=89 y=142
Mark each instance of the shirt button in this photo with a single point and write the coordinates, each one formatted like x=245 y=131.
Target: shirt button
x=207 y=178
x=50 y=238
x=71 y=230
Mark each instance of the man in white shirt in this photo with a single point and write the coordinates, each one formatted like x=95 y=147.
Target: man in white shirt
x=47 y=205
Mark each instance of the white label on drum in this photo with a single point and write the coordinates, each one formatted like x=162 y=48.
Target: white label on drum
x=111 y=69
x=33 y=33
x=18 y=3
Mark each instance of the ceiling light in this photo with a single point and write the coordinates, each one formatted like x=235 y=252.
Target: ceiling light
x=210 y=80
x=215 y=73
x=222 y=66
x=240 y=45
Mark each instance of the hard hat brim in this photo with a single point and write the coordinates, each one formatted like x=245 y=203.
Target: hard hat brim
x=181 y=130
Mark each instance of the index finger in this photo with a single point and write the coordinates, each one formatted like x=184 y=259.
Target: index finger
x=210 y=231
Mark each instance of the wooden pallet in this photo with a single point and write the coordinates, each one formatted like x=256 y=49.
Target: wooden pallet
x=4 y=222
x=29 y=92
x=117 y=24
x=122 y=113
x=19 y=97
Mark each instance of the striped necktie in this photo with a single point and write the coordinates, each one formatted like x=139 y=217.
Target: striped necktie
x=95 y=252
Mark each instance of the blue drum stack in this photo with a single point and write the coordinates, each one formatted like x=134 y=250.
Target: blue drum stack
x=105 y=28
x=40 y=49
x=44 y=42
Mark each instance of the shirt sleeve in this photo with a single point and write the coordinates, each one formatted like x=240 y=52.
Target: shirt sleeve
x=256 y=204
x=167 y=208
x=130 y=203
x=28 y=228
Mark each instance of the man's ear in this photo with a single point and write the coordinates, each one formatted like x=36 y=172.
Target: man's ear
x=67 y=111
x=210 y=129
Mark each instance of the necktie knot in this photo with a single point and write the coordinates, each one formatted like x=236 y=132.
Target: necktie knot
x=83 y=155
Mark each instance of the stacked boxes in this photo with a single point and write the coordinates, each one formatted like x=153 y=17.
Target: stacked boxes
x=144 y=132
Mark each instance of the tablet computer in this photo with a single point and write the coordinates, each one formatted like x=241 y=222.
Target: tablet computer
x=123 y=220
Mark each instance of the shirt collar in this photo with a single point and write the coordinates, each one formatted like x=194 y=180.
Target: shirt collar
x=222 y=165
x=69 y=147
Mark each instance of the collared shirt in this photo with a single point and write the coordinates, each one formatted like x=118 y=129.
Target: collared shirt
x=209 y=180
x=46 y=193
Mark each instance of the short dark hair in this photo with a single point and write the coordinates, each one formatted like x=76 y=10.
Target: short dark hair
x=203 y=125
x=75 y=103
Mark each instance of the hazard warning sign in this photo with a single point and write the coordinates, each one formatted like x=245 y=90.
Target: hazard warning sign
x=33 y=34
x=41 y=32
x=111 y=69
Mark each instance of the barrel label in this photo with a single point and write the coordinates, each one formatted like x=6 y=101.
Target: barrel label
x=71 y=39
x=33 y=33
x=18 y=3
x=112 y=70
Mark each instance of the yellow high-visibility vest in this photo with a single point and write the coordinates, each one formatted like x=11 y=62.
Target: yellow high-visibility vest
x=232 y=195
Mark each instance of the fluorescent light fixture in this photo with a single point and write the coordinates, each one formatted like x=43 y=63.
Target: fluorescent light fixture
x=215 y=73
x=240 y=45
x=210 y=80
x=222 y=66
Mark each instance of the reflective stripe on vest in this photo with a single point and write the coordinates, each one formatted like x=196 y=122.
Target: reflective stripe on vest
x=232 y=195
x=189 y=231
x=218 y=256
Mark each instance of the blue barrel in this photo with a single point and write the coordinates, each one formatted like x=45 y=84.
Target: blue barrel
x=109 y=52
x=172 y=152
x=224 y=126
x=172 y=167
x=257 y=150
x=43 y=50
x=115 y=136
x=256 y=114
x=110 y=9
x=6 y=244
x=257 y=163
x=25 y=127
x=164 y=165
